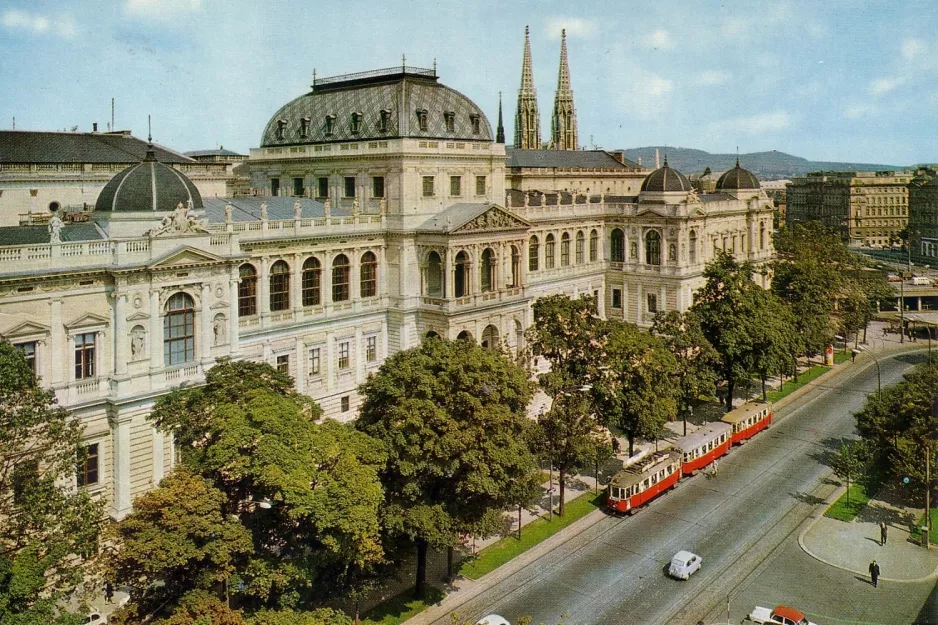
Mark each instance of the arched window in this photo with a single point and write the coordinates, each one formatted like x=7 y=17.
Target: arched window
x=515 y=277
x=247 y=290
x=549 y=252
x=580 y=241
x=594 y=246
x=179 y=330
x=312 y=282
x=434 y=275
x=279 y=286
x=340 y=278
x=465 y=335
x=652 y=248
x=565 y=249
x=487 y=270
x=692 y=247
x=490 y=337
x=461 y=279
x=369 y=275
x=617 y=240
x=431 y=335
x=534 y=248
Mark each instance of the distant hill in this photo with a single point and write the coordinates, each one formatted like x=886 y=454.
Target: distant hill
x=765 y=165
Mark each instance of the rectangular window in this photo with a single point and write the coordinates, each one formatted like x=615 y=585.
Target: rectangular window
x=480 y=185
x=371 y=348
x=29 y=352
x=617 y=298
x=283 y=363
x=87 y=469
x=275 y=186
x=377 y=186
x=428 y=186
x=345 y=403
x=315 y=362
x=323 y=190
x=652 y=303
x=349 y=186
x=84 y=356
x=455 y=186
x=298 y=189
x=343 y=355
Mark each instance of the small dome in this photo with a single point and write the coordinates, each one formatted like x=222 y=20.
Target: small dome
x=666 y=179
x=737 y=178
x=148 y=186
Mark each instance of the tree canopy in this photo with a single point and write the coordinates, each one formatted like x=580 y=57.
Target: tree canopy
x=47 y=532
x=451 y=417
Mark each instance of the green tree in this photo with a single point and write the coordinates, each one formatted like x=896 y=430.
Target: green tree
x=637 y=391
x=775 y=341
x=728 y=317
x=697 y=361
x=452 y=418
x=179 y=538
x=849 y=463
x=568 y=333
x=47 y=532
x=257 y=440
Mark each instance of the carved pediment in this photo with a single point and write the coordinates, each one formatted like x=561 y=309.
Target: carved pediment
x=494 y=218
x=138 y=316
x=87 y=320
x=219 y=305
x=27 y=328
x=186 y=256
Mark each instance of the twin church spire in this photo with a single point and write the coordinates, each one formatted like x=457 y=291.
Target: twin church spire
x=527 y=117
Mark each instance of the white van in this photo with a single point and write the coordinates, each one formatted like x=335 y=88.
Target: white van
x=920 y=281
x=684 y=564
x=493 y=619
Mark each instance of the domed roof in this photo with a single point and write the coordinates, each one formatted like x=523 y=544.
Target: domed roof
x=148 y=186
x=737 y=178
x=381 y=104
x=666 y=179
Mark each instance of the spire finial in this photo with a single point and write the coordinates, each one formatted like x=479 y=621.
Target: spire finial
x=434 y=67
x=737 y=157
x=527 y=117
x=665 y=159
x=563 y=122
x=500 y=130
x=151 y=154
x=403 y=62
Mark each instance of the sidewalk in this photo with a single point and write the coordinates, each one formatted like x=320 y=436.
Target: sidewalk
x=852 y=546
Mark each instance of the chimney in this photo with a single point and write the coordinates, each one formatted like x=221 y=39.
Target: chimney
x=619 y=155
x=94 y=127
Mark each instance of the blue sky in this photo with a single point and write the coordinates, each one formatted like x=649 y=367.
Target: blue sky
x=836 y=80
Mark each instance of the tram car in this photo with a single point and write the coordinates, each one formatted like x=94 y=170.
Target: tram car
x=748 y=420
x=700 y=448
x=643 y=481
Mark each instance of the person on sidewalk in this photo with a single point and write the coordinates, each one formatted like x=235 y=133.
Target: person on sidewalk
x=853 y=355
x=874 y=573
x=882 y=533
x=108 y=592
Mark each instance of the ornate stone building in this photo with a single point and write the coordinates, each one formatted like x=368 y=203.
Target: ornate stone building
x=382 y=218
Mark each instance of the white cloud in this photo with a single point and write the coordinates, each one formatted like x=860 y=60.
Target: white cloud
x=885 y=85
x=859 y=111
x=660 y=39
x=911 y=48
x=656 y=85
x=575 y=26
x=753 y=124
x=160 y=9
x=62 y=25
x=713 y=77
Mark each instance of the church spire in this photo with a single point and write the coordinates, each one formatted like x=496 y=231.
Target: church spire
x=563 y=123
x=500 y=131
x=527 y=118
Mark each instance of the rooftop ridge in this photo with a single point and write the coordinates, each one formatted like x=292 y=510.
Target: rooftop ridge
x=370 y=75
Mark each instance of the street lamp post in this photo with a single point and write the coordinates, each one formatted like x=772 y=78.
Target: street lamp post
x=879 y=375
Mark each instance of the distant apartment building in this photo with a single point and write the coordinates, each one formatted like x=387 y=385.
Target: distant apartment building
x=923 y=217
x=868 y=208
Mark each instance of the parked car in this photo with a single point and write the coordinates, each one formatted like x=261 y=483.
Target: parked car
x=893 y=278
x=921 y=281
x=493 y=619
x=684 y=564
x=781 y=615
x=95 y=618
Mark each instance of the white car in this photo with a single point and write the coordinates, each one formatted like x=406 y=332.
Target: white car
x=684 y=564
x=781 y=615
x=493 y=619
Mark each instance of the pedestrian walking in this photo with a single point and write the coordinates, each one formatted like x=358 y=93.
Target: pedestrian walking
x=853 y=355
x=874 y=573
x=108 y=592
x=882 y=532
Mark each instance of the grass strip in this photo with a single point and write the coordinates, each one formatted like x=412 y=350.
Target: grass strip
x=399 y=608
x=532 y=534
x=842 y=510
x=791 y=386
x=916 y=533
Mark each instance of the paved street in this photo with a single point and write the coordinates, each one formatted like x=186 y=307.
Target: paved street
x=745 y=524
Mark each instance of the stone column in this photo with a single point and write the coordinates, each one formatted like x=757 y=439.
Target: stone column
x=158 y=442
x=120 y=446
x=326 y=282
x=264 y=284
x=449 y=274
x=299 y=370
x=233 y=327
x=330 y=360
x=156 y=331
x=359 y=356
x=296 y=286
x=59 y=343
x=121 y=335
x=206 y=325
